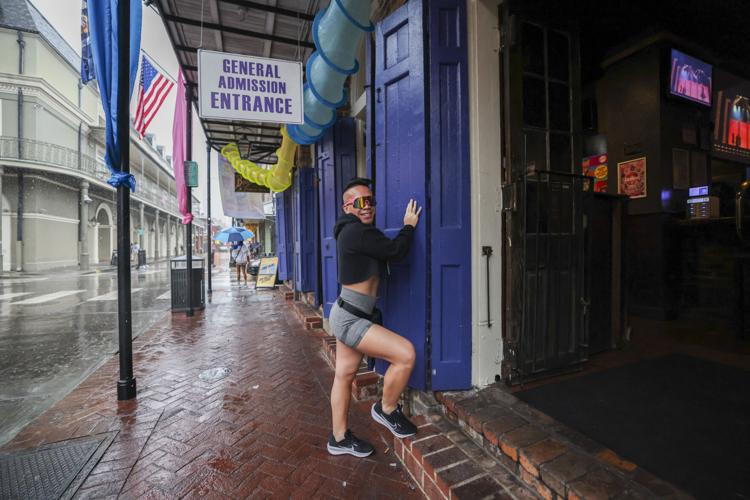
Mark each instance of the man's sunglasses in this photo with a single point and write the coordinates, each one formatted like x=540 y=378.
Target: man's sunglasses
x=361 y=202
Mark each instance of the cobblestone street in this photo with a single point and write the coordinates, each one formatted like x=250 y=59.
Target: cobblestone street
x=261 y=431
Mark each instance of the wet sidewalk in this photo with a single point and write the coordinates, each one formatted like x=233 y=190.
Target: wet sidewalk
x=259 y=432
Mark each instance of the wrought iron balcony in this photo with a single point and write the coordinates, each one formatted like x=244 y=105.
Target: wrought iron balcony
x=47 y=154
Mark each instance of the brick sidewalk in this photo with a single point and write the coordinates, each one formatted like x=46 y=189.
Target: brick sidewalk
x=260 y=432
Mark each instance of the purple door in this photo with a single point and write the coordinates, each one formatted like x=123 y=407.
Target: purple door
x=306 y=230
x=400 y=158
x=282 y=241
x=336 y=164
x=426 y=157
x=289 y=233
x=450 y=188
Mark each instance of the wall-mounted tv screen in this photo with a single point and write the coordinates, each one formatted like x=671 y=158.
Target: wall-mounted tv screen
x=732 y=121
x=690 y=78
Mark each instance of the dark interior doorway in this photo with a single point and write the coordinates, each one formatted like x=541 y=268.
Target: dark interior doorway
x=673 y=268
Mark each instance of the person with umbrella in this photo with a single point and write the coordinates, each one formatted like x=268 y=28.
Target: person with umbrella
x=241 y=260
x=237 y=235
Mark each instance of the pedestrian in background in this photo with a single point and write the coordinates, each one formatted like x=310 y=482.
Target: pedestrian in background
x=241 y=261
x=233 y=250
x=135 y=249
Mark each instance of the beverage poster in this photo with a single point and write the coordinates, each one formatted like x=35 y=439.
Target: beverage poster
x=631 y=178
x=596 y=167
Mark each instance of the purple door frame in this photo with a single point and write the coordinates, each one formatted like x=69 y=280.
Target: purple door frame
x=282 y=239
x=400 y=165
x=450 y=203
x=306 y=230
x=422 y=152
x=336 y=165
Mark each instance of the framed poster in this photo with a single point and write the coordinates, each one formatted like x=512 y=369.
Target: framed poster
x=631 y=178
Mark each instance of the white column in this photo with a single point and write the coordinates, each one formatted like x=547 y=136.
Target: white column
x=157 y=235
x=168 y=229
x=2 y=208
x=142 y=226
x=19 y=222
x=85 y=201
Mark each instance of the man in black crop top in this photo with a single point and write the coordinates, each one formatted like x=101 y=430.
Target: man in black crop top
x=363 y=253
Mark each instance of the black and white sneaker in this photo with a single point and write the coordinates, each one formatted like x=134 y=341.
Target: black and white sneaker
x=396 y=422
x=350 y=445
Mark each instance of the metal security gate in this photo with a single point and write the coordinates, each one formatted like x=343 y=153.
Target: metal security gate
x=543 y=257
x=553 y=326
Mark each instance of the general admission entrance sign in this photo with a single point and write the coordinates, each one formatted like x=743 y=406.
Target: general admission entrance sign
x=243 y=88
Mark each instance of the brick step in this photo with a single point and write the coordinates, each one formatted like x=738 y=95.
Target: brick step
x=554 y=460
x=307 y=315
x=447 y=465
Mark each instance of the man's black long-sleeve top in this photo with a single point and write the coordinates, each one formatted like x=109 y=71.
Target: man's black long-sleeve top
x=363 y=250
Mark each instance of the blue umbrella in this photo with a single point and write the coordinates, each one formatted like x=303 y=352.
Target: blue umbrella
x=231 y=234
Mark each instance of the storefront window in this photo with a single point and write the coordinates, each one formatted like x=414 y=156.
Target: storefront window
x=533 y=49
x=559 y=106
x=534 y=102
x=557 y=56
x=546 y=98
x=559 y=152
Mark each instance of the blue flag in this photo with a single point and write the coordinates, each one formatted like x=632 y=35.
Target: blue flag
x=87 y=61
x=103 y=26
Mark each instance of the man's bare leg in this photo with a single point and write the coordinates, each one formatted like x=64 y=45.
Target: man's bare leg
x=399 y=352
x=347 y=363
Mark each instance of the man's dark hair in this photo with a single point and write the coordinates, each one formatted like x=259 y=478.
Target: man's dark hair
x=357 y=181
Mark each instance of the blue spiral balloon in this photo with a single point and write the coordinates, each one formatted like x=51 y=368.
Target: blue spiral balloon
x=337 y=31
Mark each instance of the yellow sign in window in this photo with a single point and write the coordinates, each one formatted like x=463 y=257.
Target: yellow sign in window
x=267 y=272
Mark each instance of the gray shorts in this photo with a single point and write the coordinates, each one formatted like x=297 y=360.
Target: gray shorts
x=347 y=327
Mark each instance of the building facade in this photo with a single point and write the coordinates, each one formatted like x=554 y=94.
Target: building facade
x=489 y=113
x=57 y=209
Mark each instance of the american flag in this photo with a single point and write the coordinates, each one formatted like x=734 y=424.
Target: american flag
x=153 y=89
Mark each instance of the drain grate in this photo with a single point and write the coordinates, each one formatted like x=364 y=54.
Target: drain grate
x=213 y=374
x=44 y=472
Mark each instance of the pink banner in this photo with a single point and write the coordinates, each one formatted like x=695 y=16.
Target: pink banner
x=178 y=149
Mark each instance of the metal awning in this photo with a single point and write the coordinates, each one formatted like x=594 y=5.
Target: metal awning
x=278 y=29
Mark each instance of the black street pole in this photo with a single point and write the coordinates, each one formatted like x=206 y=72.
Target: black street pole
x=126 y=383
x=208 y=216
x=189 y=228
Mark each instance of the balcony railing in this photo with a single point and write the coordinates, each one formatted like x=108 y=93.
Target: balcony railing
x=61 y=157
